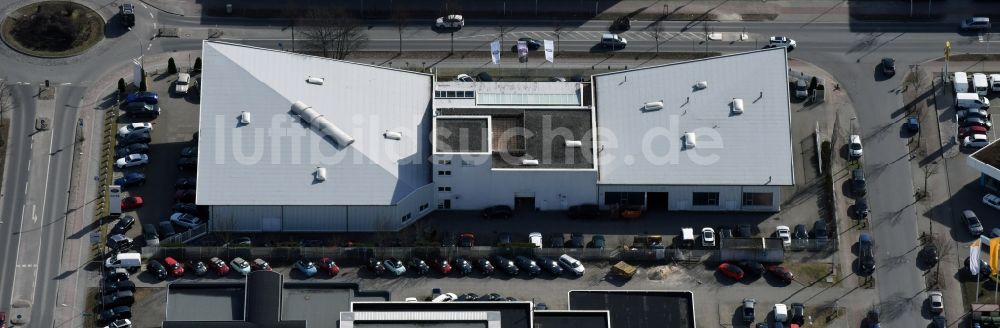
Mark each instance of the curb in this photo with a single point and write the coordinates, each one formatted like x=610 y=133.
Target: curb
x=161 y=9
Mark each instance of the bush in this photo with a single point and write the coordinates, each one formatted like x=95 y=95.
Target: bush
x=121 y=85
x=171 y=66
x=142 y=84
x=197 y=65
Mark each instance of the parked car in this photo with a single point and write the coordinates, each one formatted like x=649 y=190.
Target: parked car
x=260 y=265
x=419 y=266
x=866 y=254
x=861 y=208
x=117 y=275
x=198 y=267
x=306 y=267
x=798 y=314
x=485 y=266
x=584 y=211
x=858 y=184
x=167 y=229
x=123 y=225
x=748 y=310
x=784 y=234
x=240 y=265
x=912 y=124
x=132 y=160
x=557 y=241
x=971 y=130
x=780 y=41
x=191 y=151
x=141 y=109
x=731 y=270
x=498 y=212
x=394 y=266
x=462 y=266
x=975 y=121
x=975 y=23
x=596 y=241
x=116 y=313
x=506 y=265
x=184 y=195
x=182 y=83
x=187 y=163
x=855 y=147
x=752 y=268
x=888 y=66
x=528 y=265
x=725 y=232
x=121 y=323
x=450 y=21
x=571 y=264
x=185 y=183
x=442 y=265
x=535 y=238
x=116 y=286
x=972 y=223
x=156 y=268
x=173 y=267
x=131 y=179
x=532 y=43
x=134 y=128
x=484 y=77
x=375 y=266
x=148 y=97
x=118 y=243
x=575 y=240
x=327 y=264
x=800 y=233
x=150 y=235
x=820 y=232
x=187 y=208
x=707 y=237
x=466 y=240
x=992 y=200
x=549 y=265
x=185 y=220
x=131 y=203
x=218 y=266
x=976 y=141
x=464 y=78
x=929 y=255
x=131 y=138
x=936 y=301
x=138 y=148
x=782 y=273
x=780 y=313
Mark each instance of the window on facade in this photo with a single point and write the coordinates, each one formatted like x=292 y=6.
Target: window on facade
x=468 y=163
x=406 y=217
x=758 y=199
x=444 y=188
x=705 y=199
x=444 y=172
x=444 y=161
x=624 y=198
x=445 y=204
x=424 y=207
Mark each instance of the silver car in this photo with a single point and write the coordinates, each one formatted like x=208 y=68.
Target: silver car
x=936 y=301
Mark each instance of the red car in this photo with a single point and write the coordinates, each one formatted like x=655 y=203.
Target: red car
x=781 y=273
x=175 y=268
x=3 y=319
x=327 y=264
x=442 y=265
x=218 y=266
x=260 y=265
x=731 y=270
x=970 y=130
x=131 y=203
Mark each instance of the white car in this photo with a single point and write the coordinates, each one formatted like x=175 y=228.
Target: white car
x=185 y=220
x=535 y=238
x=571 y=264
x=240 y=265
x=785 y=234
x=780 y=312
x=855 y=146
x=134 y=127
x=464 y=78
x=450 y=21
x=707 y=236
x=936 y=301
x=992 y=200
x=132 y=160
x=446 y=297
x=780 y=41
x=976 y=141
x=182 y=83
x=121 y=323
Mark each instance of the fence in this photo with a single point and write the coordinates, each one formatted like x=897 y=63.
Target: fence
x=186 y=236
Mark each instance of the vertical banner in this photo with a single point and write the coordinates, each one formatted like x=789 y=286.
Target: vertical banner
x=136 y=71
x=495 y=51
x=522 y=51
x=550 y=49
x=994 y=253
x=974 y=251
x=114 y=200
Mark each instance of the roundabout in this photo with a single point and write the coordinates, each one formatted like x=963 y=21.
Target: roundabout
x=52 y=29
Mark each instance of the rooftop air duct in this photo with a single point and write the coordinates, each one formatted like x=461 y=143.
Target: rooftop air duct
x=737 y=105
x=529 y=162
x=321 y=124
x=315 y=80
x=392 y=135
x=653 y=105
x=320 y=174
x=574 y=143
x=690 y=140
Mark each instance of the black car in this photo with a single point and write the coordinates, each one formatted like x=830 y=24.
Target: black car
x=503 y=239
x=575 y=241
x=888 y=66
x=866 y=254
x=858 y=184
x=752 y=268
x=127 y=14
x=117 y=299
x=131 y=138
x=117 y=275
x=596 y=241
x=118 y=243
x=484 y=77
x=462 y=266
x=139 y=148
x=124 y=285
x=745 y=230
x=189 y=151
x=375 y=266
x=167 y=229
x=528 y=265
x=447 y=240
x=820 y=231
x=189 y=208
x=149 y=234
x=939 y=322
x=131 y=179
x=930 y=255
x=506 y=265
x=187 y=163
x=797 y=314
x=861 y=210
x=124 y=224
x=468 y=297
x=185 y=183
x=532 y=43
x=557 y=241
x=800 y=233
x=119 y=312
x=585 y=211
x=725 y=232
x=157 y=269
x=549 y=265
x=498 y=212
x=485 y=266
x=142 y=110
x=419 y=266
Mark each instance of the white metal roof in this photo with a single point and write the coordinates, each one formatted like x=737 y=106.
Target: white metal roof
x=274 y=159
x=638 y=146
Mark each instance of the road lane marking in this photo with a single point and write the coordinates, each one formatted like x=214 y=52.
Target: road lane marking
x=151 y=15
x=143 y=5
x=34 y=218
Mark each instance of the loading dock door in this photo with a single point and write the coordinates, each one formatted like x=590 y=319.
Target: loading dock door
x=657 y=200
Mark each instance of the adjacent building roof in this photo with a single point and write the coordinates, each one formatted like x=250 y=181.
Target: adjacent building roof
x=572 y=319
x=640 y=145
x=987 y=160
x=534 y=94
x=262 y=309
x=274 y=158
x=511 y=314
x=637 y=308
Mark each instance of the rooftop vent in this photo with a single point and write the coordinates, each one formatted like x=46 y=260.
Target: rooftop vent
x=245 y=118
x=689 y=140
x=737 y=106
x=529 y=162
x=701 y=85
x=320 y=174
x=321 y=124
x=392 y=135
x=574 y=143
x=315 y=80
x=653 y=105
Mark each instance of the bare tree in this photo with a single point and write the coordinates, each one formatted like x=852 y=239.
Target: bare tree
x=332 y=33
x=928 y=170
x=657 y=29
x=400 y=17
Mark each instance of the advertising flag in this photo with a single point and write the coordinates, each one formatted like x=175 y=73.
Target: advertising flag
x=495 y=51
x=522 y=51
x=994 y=255
x=550 y=49
x=136 y=71
x=974 y=251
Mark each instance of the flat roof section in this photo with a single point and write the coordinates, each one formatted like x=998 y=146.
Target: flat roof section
x=434 y=324
x=539 y=134
x=987 y=160
x=638 y=309
x=510 y=94
x=461 y=135
x=205 y=302
x=571 y=319
x=646 y=145
x=512 y=314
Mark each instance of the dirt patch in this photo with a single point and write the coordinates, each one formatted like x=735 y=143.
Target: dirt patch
x=970 y=57
x=823 y=316
x=660 y=272
x=90 y=305
x=759 y=17
x=812 y=273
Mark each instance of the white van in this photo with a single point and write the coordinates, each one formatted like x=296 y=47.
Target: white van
x=961 y=82
x=971 y=101
x=128 y=261
x=446 y=297
x=995 y=82
x=980 y=84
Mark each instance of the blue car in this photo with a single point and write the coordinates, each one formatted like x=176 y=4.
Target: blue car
x=306 y=267
x=148 y=97
x=131 y=179
x=912 y=124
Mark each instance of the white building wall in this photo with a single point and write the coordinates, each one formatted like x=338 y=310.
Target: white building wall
x=242 y=217
x=314 y=218
x=474 y=185
x=417 y=204
x=680 y=198
x=371 y=218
